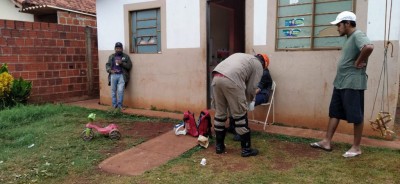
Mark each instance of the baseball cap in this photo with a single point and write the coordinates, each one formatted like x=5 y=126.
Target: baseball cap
x=345 y=15
x=118 y=44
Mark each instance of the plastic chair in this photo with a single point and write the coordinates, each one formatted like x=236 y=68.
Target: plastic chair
x=270 y=103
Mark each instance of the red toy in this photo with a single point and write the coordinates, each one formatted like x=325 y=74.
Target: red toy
x=110 y=130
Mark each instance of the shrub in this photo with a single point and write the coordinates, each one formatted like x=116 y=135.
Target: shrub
x=13 y=92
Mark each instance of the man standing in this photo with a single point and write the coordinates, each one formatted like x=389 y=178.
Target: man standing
x=118 y=66
x=234 y=85
x=347 y=101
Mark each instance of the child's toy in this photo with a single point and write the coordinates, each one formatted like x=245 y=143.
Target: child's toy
x=110 y=130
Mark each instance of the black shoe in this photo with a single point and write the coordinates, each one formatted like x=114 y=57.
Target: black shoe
x=219 y=149
x=236 y=137
x=246 y=152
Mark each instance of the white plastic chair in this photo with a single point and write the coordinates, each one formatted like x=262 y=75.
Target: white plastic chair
x=270 y=103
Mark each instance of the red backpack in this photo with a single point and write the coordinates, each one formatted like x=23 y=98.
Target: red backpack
x=190 y=124
x=204 y=123
x=201 y=127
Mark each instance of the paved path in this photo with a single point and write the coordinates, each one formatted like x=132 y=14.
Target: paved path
x=157 y=151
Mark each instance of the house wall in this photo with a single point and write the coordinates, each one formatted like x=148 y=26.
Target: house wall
x=53 y=57
x=8 y=11
x=176 y=78
x=304 y=78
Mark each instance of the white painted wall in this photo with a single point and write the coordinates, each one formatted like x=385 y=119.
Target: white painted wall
x=8 y=11
x=376 y=17
x=110 y=22
x=260 y=22
x=183 y=23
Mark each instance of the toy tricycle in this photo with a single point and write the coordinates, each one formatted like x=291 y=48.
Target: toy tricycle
x=110 y=130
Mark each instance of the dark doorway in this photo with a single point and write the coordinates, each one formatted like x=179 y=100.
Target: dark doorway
x=225 y=33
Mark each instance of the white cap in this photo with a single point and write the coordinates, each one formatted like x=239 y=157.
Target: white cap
x=346 y=15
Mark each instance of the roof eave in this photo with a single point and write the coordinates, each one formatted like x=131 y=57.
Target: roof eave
x=34 y=10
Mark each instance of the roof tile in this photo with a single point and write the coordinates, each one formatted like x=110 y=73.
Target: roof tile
x=88 y=6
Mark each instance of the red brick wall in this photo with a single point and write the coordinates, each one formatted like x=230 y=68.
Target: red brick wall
x=71 y=18
x=53 y=57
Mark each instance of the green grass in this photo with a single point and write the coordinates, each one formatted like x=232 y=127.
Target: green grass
x=59 y=155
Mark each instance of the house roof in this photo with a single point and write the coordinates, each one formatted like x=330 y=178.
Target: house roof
x=79 y=6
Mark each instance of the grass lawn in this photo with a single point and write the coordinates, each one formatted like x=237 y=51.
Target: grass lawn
x=42 y=144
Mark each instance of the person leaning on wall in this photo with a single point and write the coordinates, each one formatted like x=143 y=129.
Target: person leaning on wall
x=118 y=67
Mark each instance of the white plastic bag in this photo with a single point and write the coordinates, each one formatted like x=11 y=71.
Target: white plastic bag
x=251 y=105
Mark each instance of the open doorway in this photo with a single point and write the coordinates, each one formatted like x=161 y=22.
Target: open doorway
x=225 y=33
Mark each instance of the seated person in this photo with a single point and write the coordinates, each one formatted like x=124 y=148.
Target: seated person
x=264 y=88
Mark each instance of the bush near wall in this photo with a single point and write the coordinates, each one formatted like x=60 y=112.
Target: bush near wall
x=12 y=91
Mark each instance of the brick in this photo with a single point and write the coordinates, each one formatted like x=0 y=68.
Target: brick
x=6 y=51
x=56 y=35
x=9 y=59
x=52 y=27
x=44 y=26
x=33 y=75
x=28 y=25
x=10 y=24
x=3 y=41
x=40 y=34
x=36 y=26
x=2 y=23
x=5 y=33
x=19 y=67
x=29 y=42
x=11 y=41
x=59 y=43
x=19 y=25
x=32 y=34
x=16 y=50
x=48 y=34
x=20 y=42
x=15 y=33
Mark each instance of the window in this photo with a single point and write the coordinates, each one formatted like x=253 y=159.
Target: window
x=145 y=31
x=305 y=24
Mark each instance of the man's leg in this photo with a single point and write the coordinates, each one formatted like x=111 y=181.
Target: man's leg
x=220 y=105
x=114 y=83
x=120 y=91
x=358 y=129
x=332 y=125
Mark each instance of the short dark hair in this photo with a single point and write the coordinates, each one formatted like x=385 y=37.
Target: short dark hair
x=352 y=23
x=261 y=59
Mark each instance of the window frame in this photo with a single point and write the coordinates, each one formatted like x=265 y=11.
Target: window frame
x=312 y=26
x=158 y=35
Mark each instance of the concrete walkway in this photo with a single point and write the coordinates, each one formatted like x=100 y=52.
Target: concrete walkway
x=157 y=151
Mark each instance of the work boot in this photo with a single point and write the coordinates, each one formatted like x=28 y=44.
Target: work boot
x=246 y=146
x=220 y=145
x=231 y=128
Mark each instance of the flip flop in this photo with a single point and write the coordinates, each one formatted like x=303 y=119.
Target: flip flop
x=349 y=154
x=317 y=145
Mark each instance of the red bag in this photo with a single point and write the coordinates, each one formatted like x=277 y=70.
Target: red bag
x=204 y=123
x=190 y=124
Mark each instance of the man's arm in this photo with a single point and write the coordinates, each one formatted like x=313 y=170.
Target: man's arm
x=108 y=64
x=363 y=57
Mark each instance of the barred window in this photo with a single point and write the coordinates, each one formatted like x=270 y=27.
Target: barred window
x=305 y=24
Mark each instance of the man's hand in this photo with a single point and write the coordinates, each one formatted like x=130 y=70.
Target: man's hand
x=361 y=65
x=112 y=71
x=258 y=90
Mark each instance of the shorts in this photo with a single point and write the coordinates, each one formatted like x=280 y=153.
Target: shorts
x=347 y=104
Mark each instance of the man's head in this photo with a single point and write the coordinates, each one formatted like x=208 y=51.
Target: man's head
x=118 y=48
x=264 y=59
x=345 y=22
